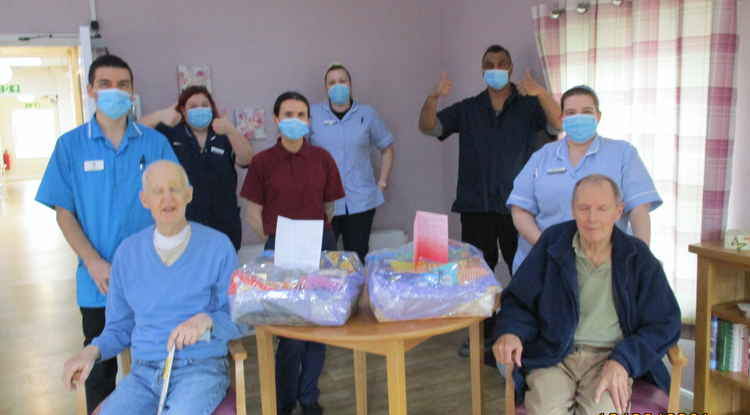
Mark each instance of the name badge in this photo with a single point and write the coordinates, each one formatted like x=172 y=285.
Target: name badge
x=176 y=143
x=93 y=165
x=217 y=150
x=557 y=170
x=329 y=122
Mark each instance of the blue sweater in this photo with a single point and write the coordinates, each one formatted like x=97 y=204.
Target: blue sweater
x=148 y=299
x=541 y=306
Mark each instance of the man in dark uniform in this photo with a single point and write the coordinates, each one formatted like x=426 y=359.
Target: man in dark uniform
x=498 y=131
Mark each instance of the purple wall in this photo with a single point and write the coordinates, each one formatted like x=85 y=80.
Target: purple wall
x=395 y=49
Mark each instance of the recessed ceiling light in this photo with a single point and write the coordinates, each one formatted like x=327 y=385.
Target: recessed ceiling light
x=21 y=61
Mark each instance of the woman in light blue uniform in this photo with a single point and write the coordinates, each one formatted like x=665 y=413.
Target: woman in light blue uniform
x=349 y=131
x=542 y=192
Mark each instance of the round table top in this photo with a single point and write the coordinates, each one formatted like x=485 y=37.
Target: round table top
x=364 y=327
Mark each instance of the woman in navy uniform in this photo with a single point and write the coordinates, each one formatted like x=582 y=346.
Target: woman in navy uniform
x=208 y=147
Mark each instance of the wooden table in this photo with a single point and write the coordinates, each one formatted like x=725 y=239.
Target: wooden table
x=364 y=334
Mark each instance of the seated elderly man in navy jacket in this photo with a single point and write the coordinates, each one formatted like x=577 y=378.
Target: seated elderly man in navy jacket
x=168 y=289
x=588 y=311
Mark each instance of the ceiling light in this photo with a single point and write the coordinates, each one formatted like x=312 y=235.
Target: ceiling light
x=26 y=98
x=582 y=8
x=617 y=2
x=21 y=61
x=556 y=13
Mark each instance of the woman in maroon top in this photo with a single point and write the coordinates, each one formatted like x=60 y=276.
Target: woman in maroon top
x=300 y=181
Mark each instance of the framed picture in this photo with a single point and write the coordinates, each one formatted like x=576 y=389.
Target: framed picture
x=188 y=75
x=251 y=122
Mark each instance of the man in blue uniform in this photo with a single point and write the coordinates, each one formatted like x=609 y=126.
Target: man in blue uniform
x=92 y=182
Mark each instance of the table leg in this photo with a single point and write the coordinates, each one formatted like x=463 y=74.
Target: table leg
x=476 y=350
x=266 y=371
x=360 y=381
x=396 y=363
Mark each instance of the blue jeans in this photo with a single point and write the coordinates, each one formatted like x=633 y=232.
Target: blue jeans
x=196 y=386
x=299 y=363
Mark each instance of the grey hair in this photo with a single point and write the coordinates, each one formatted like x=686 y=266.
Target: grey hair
x=148 y=171
x=598 y=178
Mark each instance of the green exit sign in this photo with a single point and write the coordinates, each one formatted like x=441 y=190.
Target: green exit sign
x=32 y=105
x=10 y=89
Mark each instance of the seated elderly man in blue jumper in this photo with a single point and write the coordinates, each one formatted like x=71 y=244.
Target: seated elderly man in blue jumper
x=589 y=310
x=168 y=288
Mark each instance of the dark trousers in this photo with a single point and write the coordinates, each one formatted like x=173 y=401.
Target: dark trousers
x=299 y=363
x=101 y=380
x=355 y=230
x=486 y=231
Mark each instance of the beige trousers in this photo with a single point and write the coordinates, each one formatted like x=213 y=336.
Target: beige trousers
x=570 y=386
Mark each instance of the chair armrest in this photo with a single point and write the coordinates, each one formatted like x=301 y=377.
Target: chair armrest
x=678 y=361
x=237 y=350
x=676 y=357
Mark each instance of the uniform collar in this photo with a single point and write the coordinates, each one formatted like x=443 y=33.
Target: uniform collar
x=327 y=107
x=210 y=134
x=303 y=151
x=132 y=130
x=485 y=101
x=562 y=148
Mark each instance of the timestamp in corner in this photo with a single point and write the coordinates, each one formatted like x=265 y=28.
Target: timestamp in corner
x=654 y=413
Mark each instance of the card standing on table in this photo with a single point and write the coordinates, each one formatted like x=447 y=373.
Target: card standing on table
x=208 y=147
x=92 y=181
x=296 y=180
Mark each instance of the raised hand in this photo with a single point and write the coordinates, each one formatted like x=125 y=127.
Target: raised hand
x=443 y=86
x=529 y=86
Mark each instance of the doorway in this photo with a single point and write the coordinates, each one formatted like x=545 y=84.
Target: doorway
x=40 y=98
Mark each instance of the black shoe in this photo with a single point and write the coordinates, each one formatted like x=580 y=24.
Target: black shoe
x=313 y=409
x=285 y=411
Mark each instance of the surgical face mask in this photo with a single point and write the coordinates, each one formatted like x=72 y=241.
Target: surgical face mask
x=114 y=103
x=339 y=94
x=580 y=127
x=200 y=117
x=496 y=78
x=293 y=128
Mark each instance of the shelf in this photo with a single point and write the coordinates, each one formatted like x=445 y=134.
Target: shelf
x=715 y=250
x=738 y=379
x=730 y=312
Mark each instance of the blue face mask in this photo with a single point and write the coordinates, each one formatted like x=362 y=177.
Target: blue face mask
x=580 y=127
x=114 y=103
x=496 y=78
x=293 y=128
x=200 y=117
x=339 y=94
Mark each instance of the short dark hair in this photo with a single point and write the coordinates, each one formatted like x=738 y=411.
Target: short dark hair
x=580 y=90
x=290 y=95
x=497 y=49
x=108 y=61
x=195 y=90
x=334 y=67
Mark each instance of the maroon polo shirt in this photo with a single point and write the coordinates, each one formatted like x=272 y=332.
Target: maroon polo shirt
x=295 y=185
